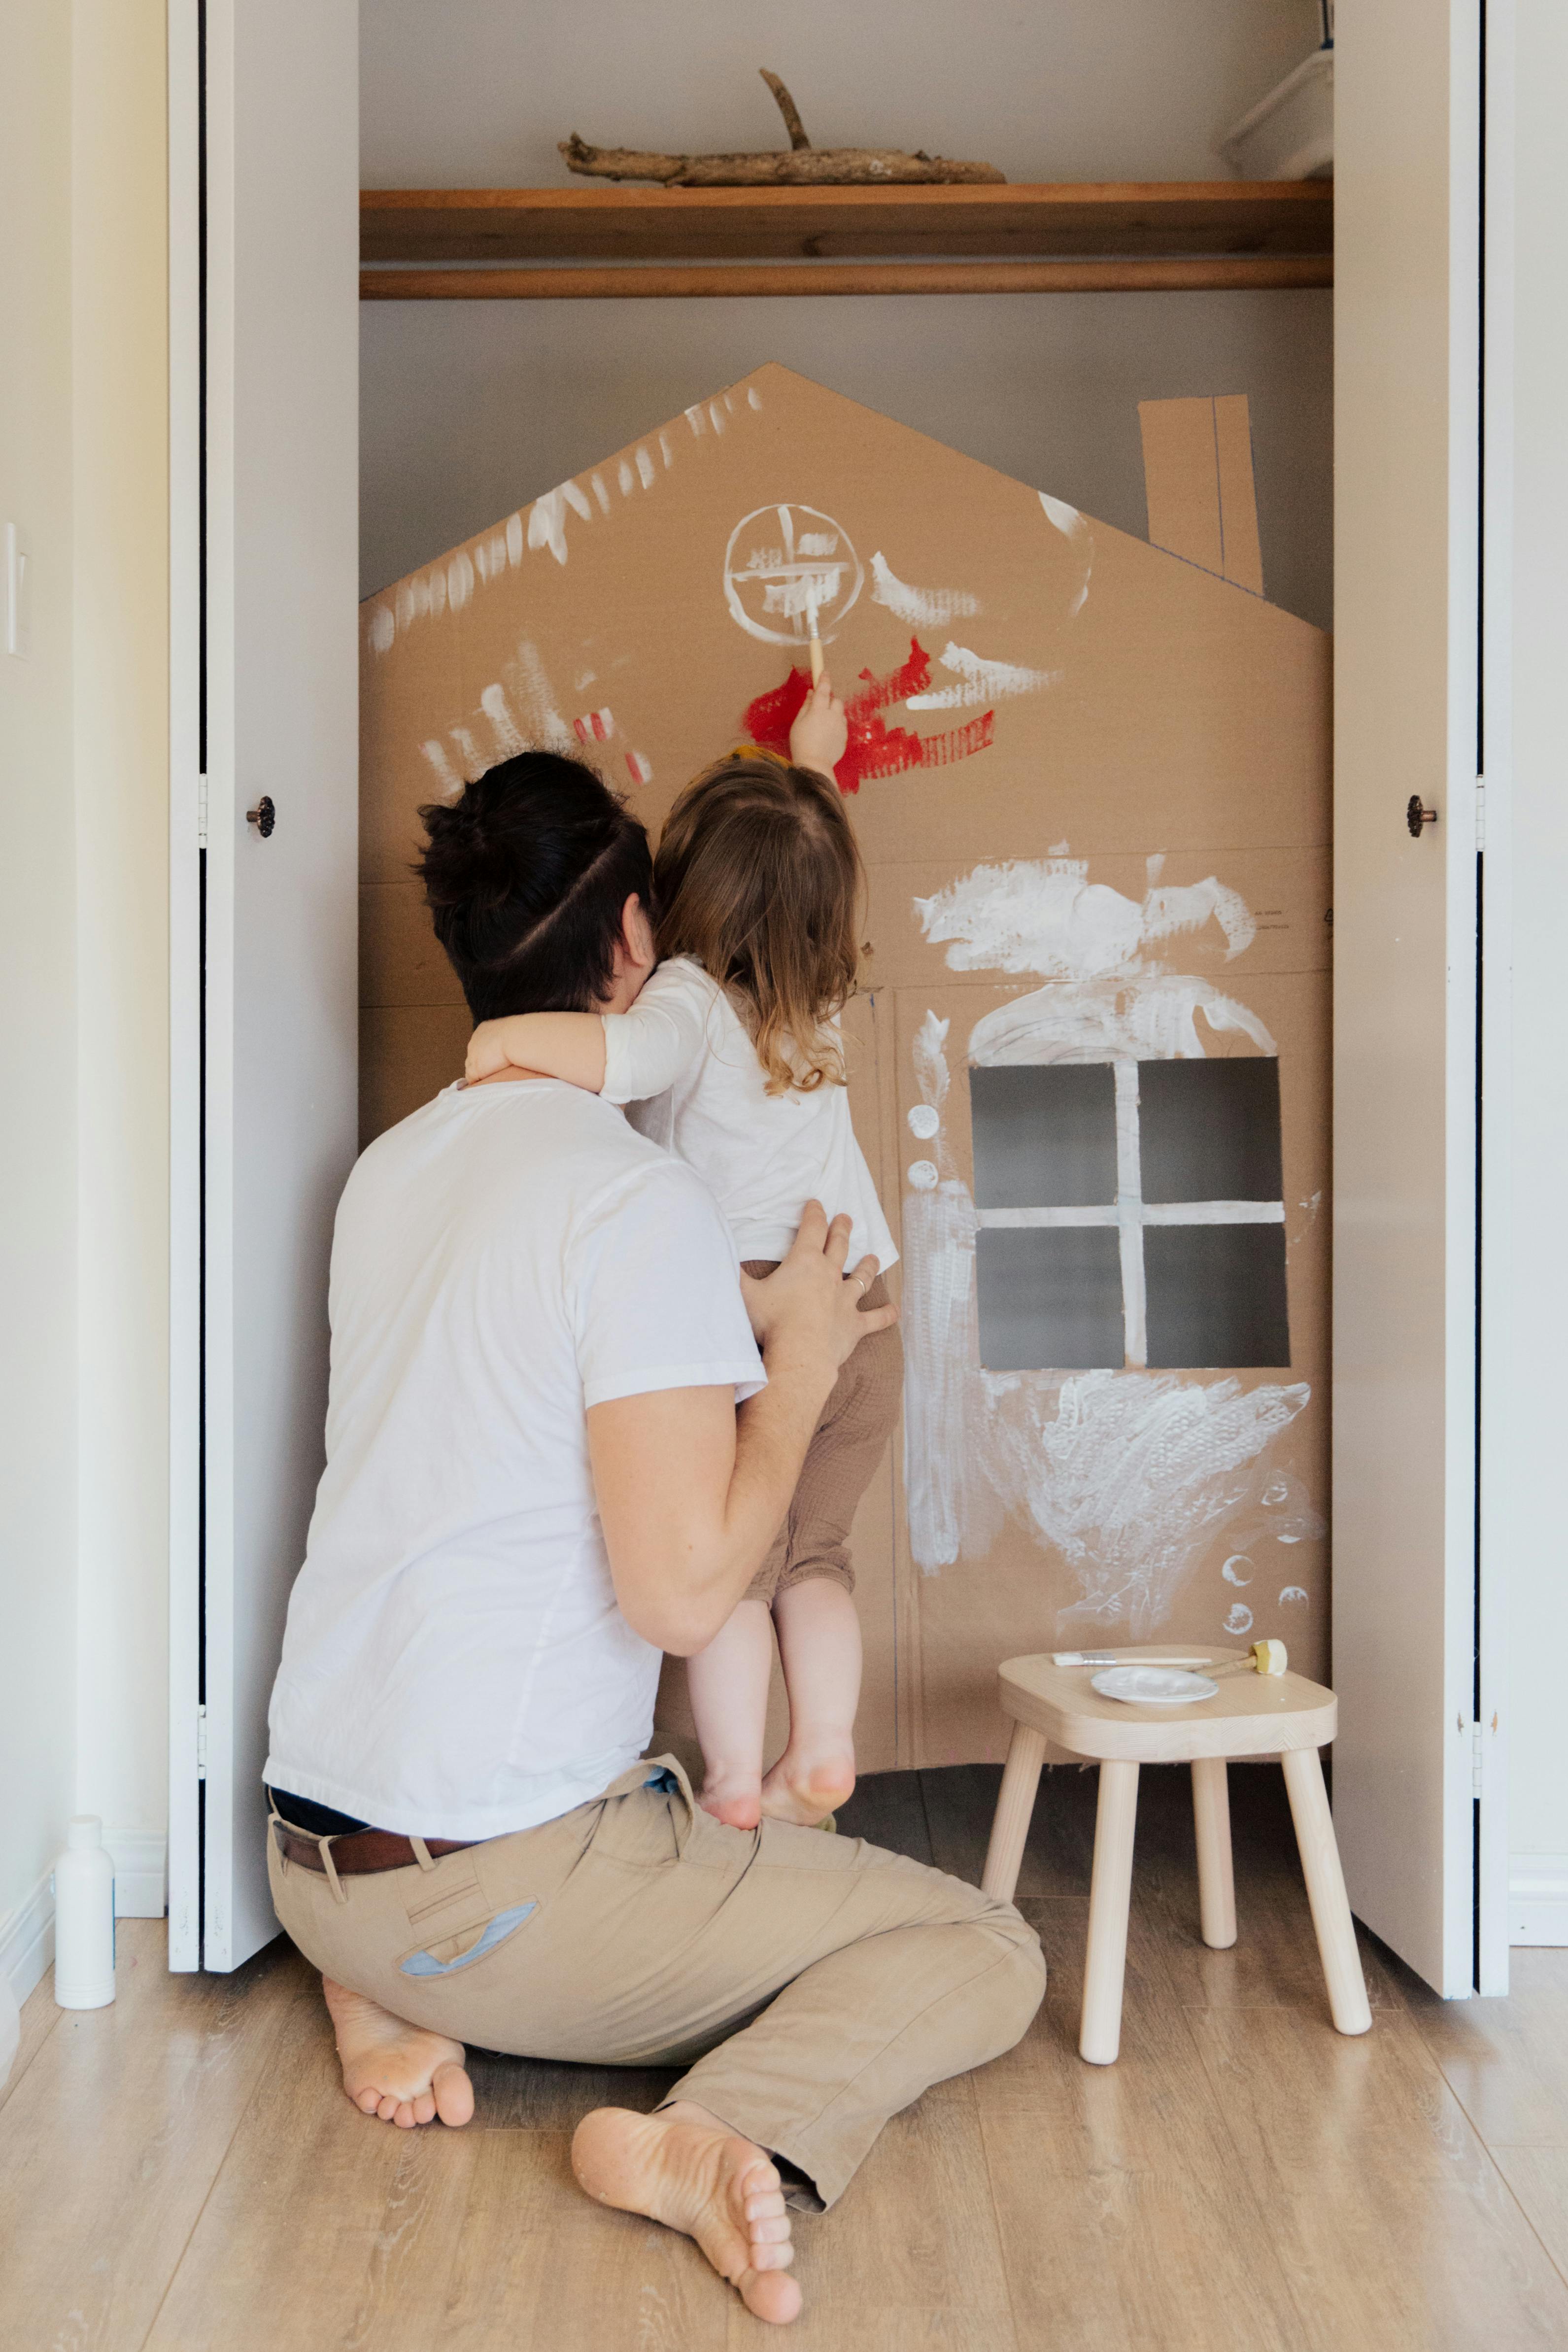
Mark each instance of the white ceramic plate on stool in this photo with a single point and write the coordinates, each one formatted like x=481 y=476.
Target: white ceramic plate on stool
x=1152 y=1685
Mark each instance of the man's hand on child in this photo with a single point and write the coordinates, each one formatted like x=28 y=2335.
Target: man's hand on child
x=811 y=1303
x=821 y=731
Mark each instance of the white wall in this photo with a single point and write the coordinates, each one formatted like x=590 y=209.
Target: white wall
x=1538 y=1401
x=478 y=92
x=119 y=703
x=38 y=990
x=467 y=409
x=83 y=957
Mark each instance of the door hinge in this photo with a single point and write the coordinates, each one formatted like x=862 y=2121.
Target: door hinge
x=201 y=811
x=201 y=1743
x=1480 y=812
x=1478 y=1760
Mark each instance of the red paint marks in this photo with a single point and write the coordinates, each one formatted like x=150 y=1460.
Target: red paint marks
x=873 y=749
x=639 y=768
x=769 y=720
x=595 y=727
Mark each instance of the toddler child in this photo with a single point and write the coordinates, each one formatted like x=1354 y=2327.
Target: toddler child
x=732 y=1057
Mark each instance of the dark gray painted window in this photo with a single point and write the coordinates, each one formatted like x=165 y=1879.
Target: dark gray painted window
x=1210 y=1130
x=1045 y=1135
x=1050 y=1297
x=1215 y=1295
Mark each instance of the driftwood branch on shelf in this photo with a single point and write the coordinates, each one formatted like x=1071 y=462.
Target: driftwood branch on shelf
x=801 y=165
x=788 y=108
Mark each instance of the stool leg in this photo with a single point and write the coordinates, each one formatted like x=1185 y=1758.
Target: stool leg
x=1326 y=1890
x=1014 y=1806
x=1105 y=1964
x=1217 y=1884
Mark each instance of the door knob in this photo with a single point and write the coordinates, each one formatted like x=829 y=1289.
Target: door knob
x=1416 y=816
x=264 y=816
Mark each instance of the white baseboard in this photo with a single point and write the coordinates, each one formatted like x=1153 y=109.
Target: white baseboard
x=140 y=1872
x=1538 y=1898
x=28 y=1940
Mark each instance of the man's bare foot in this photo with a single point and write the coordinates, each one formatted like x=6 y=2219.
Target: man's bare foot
x=807 y=1784
x=683 y=2168
x=399 y=2072
x=733 y=1798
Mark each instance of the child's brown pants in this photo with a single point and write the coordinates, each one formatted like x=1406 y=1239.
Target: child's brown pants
x=840 y=1462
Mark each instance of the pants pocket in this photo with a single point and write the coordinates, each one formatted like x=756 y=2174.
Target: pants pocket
x=461 y=1950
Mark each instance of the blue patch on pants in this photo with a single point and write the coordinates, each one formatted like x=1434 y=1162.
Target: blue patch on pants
x=425 y=1964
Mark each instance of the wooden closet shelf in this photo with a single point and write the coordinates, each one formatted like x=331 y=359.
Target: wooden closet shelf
x=1116 y=221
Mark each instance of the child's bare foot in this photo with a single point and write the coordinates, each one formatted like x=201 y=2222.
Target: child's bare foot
x=399 y=2072
x=733 y=1798
x=807 y=1784
x=683 y=2168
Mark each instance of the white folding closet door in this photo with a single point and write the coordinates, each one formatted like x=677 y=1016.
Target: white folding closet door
x=278 y=1115
x=1407 y=1596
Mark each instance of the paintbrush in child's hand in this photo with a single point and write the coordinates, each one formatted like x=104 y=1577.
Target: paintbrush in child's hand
x=812 y=640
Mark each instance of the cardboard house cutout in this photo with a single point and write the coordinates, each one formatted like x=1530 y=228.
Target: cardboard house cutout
x=1089 y=1057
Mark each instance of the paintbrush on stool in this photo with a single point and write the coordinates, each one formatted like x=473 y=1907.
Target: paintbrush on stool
x=1263 y=1658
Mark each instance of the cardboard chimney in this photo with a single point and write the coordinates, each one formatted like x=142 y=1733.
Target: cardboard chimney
x=1090 y=780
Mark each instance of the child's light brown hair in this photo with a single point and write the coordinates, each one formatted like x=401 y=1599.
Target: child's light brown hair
x=758 y=876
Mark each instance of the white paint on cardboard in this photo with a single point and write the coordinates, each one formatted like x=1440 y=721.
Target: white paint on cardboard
x=1073 y=528
x=980 y=681
x=923 y=608
x=547 y=518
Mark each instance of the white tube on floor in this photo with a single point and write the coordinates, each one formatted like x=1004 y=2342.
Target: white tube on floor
x=10 y=2028
x=84 y=1917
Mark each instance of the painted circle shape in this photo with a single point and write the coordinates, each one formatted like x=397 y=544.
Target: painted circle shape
x=773 y=553
x=1238 y=1618
x=923 y=1120
x=923 y=1175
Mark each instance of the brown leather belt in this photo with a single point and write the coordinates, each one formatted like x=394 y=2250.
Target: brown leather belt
x=360 y=1850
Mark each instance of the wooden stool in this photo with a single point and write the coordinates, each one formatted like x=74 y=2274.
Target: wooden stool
x=1252 y=1714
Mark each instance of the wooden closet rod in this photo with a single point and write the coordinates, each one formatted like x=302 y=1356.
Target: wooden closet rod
x=1155 y=274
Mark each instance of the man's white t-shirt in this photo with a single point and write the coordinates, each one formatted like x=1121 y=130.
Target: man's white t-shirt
x=455 y=1664
x=684 y=1062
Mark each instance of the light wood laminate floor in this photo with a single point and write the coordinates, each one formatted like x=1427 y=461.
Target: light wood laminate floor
x=181 y=2173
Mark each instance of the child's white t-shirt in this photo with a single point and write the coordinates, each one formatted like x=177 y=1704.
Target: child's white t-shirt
x=683 y=1061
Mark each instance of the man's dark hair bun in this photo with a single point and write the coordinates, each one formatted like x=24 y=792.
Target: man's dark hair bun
x=458 y=866
x=527 y=875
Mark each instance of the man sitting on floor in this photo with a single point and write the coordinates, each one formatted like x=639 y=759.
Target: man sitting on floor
x=553 y=1452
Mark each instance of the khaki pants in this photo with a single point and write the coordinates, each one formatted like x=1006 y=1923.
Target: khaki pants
x=812 y=1985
